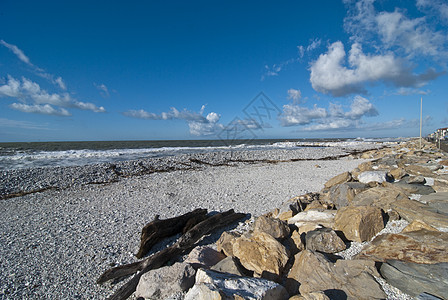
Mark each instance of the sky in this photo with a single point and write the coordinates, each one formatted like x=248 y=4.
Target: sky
x=163 y=70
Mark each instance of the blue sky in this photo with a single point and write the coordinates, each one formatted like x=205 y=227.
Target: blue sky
x=141 y=70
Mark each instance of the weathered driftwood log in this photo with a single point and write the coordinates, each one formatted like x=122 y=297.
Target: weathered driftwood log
x=156 y=230
x=182 y=246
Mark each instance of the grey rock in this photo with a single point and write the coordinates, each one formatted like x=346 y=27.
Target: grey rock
x=229 y=265
x=415 y=279
x=163 y=282
x=341 y=195
x=414 y=188
x=214 y=285
x=324 y=240
x=426 y=296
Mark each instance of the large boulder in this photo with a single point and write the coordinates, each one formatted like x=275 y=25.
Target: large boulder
x=311 y=296
x=347 y=279
x=381 y=196
x=359 y=223
x=166 y=281
x=211 y=285
x=341 y=195
x=411 y=210
x=204 y=257
x=230 y=265
x=324 y=240
x=338 y=179
x=225 y=242
x=418 y=170
x=415 y=279
x=278 y=229
x=313 y=218
x=422 y=246
x=373 y=176
x=262 y=254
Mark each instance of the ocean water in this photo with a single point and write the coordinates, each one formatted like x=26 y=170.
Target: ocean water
x=51 y=154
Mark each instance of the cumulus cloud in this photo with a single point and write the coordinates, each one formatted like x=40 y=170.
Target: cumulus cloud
x=335 y=118
x=329 y=74
x=42 y=101
x=45 y=109
x=437 y=7
x=199 y=124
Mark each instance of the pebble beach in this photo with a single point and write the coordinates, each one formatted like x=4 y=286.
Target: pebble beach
x=62 y=227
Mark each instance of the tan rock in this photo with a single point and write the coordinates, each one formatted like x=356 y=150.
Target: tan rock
x=225 y=242
x=397 y=173
x=365 y=166
x=338 y=179
x=418 y=170
x=275 y=227
x=381 y=196
x=311 y=296
x=312 y=219
x=285 y=216
x=359 y=223
x=417 y=225
x=204 y=257
x=312 y=272
x=262 y=254
x=422 y=246
x=315 y=205
x=411 y=210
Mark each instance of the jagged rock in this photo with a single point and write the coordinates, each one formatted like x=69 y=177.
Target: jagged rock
x=275 y=227
x=229 y=265
x=365 y=166
x=392 y=215
x=313 y=272
x=426 y=296
x=311 y=296
x=211 y=285
x=225 y=242
x=324 y=240
x=359 y=223
x=294 y=243
x=166 y=281
x=313 y=218
x=418 y=170
x=415 y=279
x=381 y=196
x=411 y=210
x=397 y=173
x=204 y=257
x=422 y=246
x=338 y=179
x=438 y=202
x=414 y=179
x=373 y=176
x=262 y=254
x=417 y=225
x=343 y=194
x=414 y=188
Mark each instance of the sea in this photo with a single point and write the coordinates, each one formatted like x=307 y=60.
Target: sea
x=24 y=155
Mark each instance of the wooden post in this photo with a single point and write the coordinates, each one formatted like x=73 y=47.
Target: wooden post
x=421 y=116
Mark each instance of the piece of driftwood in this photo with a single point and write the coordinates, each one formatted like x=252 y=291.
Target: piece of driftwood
x=185 y=243
x=156 y=230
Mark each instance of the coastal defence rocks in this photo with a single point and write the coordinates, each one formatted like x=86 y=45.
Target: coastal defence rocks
x=322 y=246
x=357 y=217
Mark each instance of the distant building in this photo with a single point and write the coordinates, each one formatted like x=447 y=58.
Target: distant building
x=441 y=133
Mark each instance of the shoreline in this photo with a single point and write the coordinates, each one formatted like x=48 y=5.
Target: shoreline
x=19 y=182
x=57 y=242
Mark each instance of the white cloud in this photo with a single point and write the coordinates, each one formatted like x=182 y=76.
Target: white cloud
x=335 y=118
x=437 y=7
x=410 y=91
x=29 y=90
x=275 y=69
x=11 y=89
x=294 y=95
x=330 y=75
x=40 y=109
x=61 y=83
x=198 y=124
x=412 y=37
x=19 y=53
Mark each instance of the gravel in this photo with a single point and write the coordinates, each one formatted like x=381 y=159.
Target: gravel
x=56 y=243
